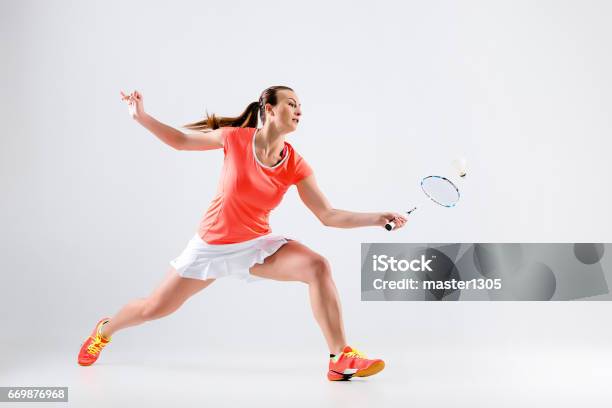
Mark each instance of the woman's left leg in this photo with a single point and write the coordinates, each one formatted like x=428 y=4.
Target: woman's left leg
x=296 y=262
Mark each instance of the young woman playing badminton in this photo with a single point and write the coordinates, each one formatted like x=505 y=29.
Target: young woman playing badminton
x=234 y=237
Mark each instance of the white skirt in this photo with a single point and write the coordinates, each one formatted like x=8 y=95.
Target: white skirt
x=200 y=260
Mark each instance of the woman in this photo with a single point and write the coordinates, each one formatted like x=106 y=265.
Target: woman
x=234 y=237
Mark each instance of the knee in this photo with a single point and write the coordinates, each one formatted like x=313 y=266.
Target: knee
x=319 y=269
x=154 y=309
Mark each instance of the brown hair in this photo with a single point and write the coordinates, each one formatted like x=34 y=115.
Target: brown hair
x=248 y=118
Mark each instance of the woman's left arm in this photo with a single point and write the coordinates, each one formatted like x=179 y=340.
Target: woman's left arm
x=314 y=199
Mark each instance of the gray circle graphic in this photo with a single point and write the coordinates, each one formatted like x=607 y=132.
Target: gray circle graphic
x=443 y=269
x=589 y=253
x=491 y=259
x=535 y=281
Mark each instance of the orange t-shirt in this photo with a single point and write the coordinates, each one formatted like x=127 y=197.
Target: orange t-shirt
x=248 y=190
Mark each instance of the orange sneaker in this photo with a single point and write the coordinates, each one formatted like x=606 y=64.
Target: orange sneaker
x=352 y=362
x=90 y=350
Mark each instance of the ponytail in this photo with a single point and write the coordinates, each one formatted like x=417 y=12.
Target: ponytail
x=248 y=118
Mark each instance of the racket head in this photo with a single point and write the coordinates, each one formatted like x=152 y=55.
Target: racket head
x=441 y=190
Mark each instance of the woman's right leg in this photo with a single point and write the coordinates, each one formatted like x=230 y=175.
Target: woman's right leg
x=165 y=299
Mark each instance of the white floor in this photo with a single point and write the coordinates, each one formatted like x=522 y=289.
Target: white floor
x=413 y=378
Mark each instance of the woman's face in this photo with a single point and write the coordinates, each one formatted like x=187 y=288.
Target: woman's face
x=287 y=112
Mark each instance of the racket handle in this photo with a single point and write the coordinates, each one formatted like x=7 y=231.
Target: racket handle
x=391 y=224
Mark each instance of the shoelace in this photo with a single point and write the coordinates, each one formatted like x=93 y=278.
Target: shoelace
x=97 y=344
x=355 y=353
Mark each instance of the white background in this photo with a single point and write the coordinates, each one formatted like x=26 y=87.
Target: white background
x=93 y=206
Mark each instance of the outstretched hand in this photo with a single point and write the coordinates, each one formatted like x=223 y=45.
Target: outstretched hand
x=135 y=104
x=399 y=219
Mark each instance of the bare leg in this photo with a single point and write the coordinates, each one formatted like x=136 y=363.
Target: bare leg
x=165 y=299
x=327 y=310
x=296 y=262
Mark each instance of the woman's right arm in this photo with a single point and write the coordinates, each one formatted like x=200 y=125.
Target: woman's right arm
x=174 y=138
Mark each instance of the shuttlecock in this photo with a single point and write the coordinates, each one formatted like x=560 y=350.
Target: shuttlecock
x=460 y=166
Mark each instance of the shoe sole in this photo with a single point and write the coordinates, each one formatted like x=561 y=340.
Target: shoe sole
x=336 y=376
x=366 y=372
x=371 y=370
